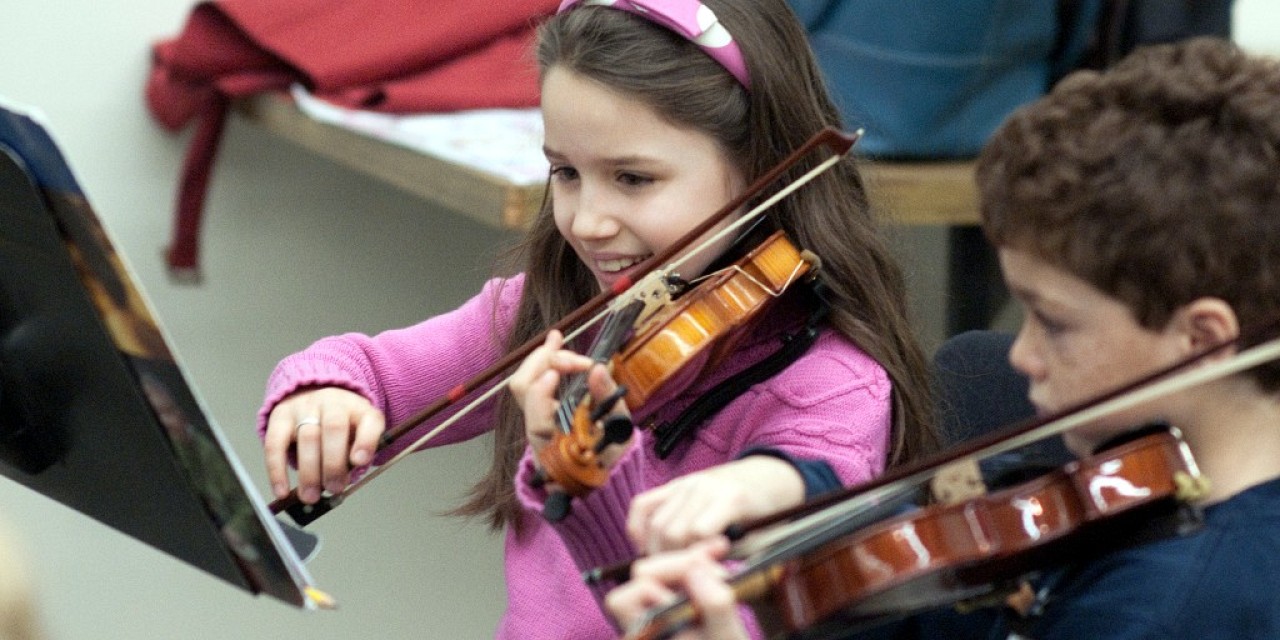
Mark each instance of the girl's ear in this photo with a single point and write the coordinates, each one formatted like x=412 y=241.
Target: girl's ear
x=1207 y=323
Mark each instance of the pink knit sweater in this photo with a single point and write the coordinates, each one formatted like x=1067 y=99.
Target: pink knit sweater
x=832 y=404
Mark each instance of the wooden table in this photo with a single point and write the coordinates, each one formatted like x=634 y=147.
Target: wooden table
x=926 y=193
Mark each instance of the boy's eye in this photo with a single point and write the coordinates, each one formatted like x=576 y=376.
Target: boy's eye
x=1051 y=326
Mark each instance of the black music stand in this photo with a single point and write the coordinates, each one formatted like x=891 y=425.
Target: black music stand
x=95 y=411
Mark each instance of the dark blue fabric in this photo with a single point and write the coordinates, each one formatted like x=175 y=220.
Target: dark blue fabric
x=977 y=392
x=1219 y=583
x=931 y=79
x=26 y=137
x=819 y=477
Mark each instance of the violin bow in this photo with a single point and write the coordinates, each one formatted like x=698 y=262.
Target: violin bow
x=837 y=142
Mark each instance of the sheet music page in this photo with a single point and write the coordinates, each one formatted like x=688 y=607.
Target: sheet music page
x=503 y=142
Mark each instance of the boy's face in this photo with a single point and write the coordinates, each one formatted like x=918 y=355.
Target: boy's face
x=1077 y=342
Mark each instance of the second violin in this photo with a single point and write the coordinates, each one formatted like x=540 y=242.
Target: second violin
x=948 y=553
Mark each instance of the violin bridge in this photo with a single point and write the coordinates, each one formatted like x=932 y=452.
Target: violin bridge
x=1190 y=488
x=958 y=482
x=654 y=291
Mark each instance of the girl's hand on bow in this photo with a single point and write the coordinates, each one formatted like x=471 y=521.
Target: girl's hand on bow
x=331 y=429
x=536 y=383
x=703 y=504
x=658 y=580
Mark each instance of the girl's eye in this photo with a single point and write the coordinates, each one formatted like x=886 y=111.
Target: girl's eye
x=563 y=173
x=633 y=179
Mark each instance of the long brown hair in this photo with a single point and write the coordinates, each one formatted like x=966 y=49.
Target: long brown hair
x=787 y=104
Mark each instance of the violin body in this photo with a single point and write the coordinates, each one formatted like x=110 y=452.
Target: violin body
x=947 y=553
x=707 y=316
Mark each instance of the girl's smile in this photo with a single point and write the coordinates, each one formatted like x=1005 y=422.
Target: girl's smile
x=625 y=182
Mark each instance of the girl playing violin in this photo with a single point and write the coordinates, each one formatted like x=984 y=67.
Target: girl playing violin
x=1137 y=218
x=656 y=113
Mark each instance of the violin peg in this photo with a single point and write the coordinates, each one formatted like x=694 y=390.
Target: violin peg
x=607 y=404
x=617 y=429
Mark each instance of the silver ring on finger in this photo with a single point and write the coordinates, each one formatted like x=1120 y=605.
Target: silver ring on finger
x=304 y=422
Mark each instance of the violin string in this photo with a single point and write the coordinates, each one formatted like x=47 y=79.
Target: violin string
x=797 y=542
x=797 y=536
x=765 y=548
x=612 y=334
x=766 y=558
x=764 y=286
x=465 y=409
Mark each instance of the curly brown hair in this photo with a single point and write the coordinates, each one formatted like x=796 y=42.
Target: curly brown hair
x=1156 y=181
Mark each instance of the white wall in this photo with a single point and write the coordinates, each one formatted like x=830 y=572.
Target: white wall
x=295 y=248
x=1256 y=26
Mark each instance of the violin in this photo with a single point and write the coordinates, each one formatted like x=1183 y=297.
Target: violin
x=950 y=553
x=651 y=289
x=703 y=320
x=821 y=563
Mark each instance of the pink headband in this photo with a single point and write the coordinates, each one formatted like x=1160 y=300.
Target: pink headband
x=689 y=18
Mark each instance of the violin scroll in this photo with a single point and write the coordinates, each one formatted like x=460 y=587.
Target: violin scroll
x=572 y=459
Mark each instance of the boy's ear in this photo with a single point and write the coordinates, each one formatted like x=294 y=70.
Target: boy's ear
x=1207 y=323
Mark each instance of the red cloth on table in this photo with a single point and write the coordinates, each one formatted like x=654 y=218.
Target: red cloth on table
x=403 y=56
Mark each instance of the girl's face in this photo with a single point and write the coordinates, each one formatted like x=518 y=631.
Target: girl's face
x=625 y=183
